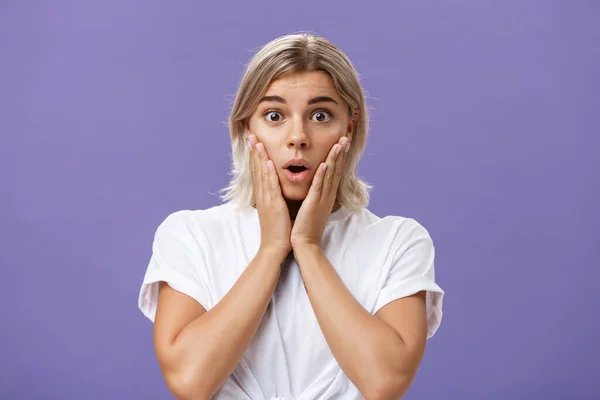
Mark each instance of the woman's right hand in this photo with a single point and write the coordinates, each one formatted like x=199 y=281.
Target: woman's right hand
x=273 y=213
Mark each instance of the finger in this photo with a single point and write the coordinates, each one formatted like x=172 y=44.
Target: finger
x=255 y=169
x=316 y=187
x=339 y=167
x=330 y=161
x=273 y=181
x=264 y=176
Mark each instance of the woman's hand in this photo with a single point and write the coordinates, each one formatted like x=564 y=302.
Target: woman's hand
x=273 y=213
x=314 y=212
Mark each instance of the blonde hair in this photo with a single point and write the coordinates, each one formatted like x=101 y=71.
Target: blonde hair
x=297 y=53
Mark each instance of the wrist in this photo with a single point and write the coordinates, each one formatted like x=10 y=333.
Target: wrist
x=273 y=253
x=306 y=248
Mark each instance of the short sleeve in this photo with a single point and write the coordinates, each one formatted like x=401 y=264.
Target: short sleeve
x=177 y=260
x=411 y=271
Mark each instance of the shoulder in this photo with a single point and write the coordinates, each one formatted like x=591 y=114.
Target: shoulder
x=206 y=219
x=395 y=228
x=201 y=227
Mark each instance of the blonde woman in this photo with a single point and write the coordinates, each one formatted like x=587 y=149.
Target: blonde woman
x=292 y=288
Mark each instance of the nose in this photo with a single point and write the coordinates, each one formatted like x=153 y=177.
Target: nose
x=297 y=138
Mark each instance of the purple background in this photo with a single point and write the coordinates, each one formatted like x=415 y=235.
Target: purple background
x=485 y=124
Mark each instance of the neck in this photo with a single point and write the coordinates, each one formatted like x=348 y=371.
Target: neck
x=294 y=207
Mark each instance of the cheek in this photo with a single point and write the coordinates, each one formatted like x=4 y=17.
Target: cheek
x=256 y=128
x=333 y=133
x=325 y=143
x=267 y=138
x=270 y=145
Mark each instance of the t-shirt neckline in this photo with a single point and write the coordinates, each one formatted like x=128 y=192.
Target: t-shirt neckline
x=337 y=215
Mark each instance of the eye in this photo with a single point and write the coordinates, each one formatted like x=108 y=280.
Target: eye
x=273 y=116
x=322 y=116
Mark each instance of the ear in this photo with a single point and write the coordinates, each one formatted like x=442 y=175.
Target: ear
x=351 y=121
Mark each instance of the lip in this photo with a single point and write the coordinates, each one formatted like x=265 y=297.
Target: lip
x=300 y=176
x=296 y=161
x=296 y=178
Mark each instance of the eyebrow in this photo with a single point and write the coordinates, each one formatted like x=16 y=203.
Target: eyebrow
x=315 y=100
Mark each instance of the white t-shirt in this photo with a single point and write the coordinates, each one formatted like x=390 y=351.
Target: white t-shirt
x=203 y=252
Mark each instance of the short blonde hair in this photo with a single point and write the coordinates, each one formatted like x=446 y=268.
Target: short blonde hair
x=297 y=53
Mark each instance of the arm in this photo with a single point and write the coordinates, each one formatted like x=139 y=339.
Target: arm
x=380 y=354
x=198 y=350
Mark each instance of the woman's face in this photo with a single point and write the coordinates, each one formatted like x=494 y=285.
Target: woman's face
x=299 y=119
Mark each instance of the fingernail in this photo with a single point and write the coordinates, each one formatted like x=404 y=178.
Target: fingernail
x=347 y=147
x=258 y=148
x=338 y=149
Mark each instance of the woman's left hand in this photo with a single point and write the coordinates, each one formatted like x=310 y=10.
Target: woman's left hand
x=318 y=204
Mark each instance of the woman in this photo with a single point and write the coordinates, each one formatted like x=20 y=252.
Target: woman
x=292 y=289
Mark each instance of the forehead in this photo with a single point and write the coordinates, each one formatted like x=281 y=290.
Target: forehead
x=306 y=83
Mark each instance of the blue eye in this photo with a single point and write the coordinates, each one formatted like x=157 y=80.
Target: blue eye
x=322 y=116
x=275 y=114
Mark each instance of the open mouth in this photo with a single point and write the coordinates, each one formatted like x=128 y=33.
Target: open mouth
x=296 y=173
x=296 y=169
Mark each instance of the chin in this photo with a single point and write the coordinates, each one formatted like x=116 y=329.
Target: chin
x=297 y=193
